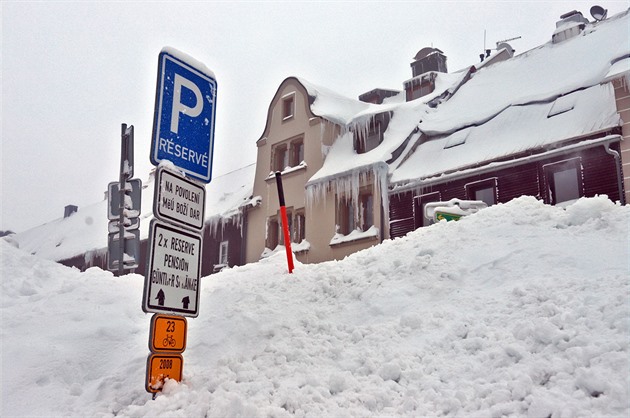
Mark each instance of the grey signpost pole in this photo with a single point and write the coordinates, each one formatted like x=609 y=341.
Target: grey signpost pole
x=124 y=199
x=126 y=167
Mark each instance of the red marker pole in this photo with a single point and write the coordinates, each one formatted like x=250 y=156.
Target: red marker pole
x=285 y=223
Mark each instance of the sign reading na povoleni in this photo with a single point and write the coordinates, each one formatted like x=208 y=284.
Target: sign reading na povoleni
x=168 y=333
x=161 y=367
x=171 y=282
x=179 y=200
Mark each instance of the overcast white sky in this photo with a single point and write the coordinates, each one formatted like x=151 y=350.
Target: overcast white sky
x=73 y=72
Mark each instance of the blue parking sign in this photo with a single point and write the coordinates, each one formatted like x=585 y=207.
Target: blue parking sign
x=184 y=120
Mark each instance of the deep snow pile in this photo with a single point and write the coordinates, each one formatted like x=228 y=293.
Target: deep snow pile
x=521 y=309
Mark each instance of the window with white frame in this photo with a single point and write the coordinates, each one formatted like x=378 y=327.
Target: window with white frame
x=419 y=204
x=280 y=157
x=288 y=106
x=355 y=215
x=564 y=181
x=296 y=149
x=484 y=190
x=273 y=232
x=223 y=253
x=296 y=221
x=366 y=210
x=299 y=234
x=287 y=154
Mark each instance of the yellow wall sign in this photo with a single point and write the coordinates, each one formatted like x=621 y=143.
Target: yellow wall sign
x=163 y=366
x=168 y=334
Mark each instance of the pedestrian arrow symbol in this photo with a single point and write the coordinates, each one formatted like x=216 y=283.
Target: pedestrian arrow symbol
x=160 y=297
x=186 y=302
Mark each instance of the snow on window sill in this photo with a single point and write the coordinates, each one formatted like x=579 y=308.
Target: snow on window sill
x=288 y=170
x=220 y=267
x=355 y=235
x=300 y=248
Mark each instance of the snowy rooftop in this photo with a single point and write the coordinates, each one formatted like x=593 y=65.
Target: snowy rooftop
x=528 y=127
x=86 y=230
x=503 y=109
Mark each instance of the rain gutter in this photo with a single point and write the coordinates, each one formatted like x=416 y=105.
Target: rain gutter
x=618 y=168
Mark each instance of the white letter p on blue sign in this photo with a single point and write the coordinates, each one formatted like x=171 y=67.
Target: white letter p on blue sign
x=183 y=125
x=179 y=107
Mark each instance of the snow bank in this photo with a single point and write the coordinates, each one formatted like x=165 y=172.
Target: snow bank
x=521 y=309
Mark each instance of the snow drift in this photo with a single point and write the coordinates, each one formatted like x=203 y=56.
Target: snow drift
x=521 y=309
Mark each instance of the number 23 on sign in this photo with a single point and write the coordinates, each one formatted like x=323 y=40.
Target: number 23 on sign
x=168 y=333
x=161 y=367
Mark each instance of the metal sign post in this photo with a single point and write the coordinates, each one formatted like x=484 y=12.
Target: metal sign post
x=124 y=204
x=183 y=134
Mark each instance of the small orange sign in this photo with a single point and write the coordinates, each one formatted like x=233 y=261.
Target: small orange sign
x=168 y=334
x=163 y=366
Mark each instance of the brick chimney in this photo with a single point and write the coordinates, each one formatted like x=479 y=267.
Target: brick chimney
x=427 y=63
x=69 y=210
x=571 y=24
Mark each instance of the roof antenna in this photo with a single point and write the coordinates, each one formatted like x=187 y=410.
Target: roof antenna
x=507 y=40
x=484 y=39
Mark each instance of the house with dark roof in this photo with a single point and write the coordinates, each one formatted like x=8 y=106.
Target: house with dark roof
x=552 y=123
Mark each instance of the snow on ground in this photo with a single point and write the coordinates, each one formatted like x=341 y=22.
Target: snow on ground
x=519 y=310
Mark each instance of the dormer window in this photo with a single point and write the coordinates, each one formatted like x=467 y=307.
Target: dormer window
x=370 y=136
x=562 y=105
x=370 y=139
x=458 y=138
x=288 y=106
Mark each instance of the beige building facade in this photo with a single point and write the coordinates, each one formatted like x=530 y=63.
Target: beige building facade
x=325 y=222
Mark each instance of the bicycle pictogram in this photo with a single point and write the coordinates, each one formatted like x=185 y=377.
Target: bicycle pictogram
x=169 y=340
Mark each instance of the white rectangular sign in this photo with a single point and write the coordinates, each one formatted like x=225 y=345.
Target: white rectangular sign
x=179 y=200
x=171 y=282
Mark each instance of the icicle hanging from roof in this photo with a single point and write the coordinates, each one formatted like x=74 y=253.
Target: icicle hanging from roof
x=348 y=184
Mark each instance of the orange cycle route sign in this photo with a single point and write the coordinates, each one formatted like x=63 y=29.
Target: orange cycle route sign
x=168 y=334
x=161 y=367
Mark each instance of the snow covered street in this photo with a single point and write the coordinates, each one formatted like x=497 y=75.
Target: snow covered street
x=522 y=309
